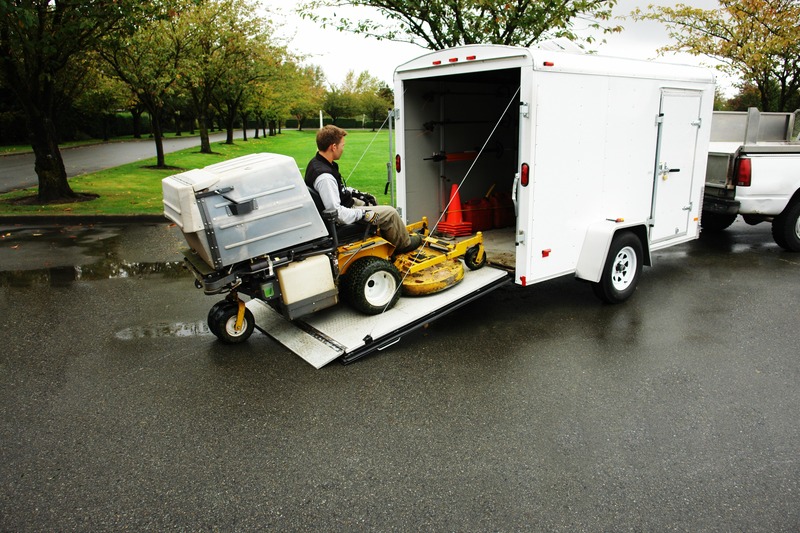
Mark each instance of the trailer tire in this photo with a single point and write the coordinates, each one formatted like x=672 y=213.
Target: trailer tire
x=223 y=323
x=622 y=269
x=786 y=228
x=471 y=258
x=716 y=221
x=371 y=285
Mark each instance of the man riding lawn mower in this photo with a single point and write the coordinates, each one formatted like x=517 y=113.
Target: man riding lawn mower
x=255 y=228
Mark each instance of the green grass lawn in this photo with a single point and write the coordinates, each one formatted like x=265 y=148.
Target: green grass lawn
x=135 y=189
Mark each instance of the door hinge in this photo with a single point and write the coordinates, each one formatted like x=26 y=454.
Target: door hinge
x=523 y=109
x=698 y=122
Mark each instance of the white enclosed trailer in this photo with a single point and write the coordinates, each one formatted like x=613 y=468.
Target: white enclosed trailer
x=604 y=157
x=592 y=162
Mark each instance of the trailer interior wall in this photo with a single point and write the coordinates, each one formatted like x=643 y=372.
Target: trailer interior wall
x=458 y=115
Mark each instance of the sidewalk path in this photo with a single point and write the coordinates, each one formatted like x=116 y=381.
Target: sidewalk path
x=17 y=171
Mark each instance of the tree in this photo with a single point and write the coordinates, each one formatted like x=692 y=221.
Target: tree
x=308 y=94
x=755 y=40
x=371 y=96
x=42 y=43
x=437 y=25
x=222 y=33
x=338 y=103
x=150 y=61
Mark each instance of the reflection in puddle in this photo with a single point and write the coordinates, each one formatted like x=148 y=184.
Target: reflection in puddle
x=63 y=276
x=153 y=331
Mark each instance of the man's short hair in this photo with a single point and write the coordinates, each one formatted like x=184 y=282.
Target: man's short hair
x=328 y=135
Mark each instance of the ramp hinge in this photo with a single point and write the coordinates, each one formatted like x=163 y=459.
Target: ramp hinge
x=368 y=340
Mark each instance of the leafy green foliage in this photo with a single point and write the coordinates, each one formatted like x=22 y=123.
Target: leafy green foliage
x=756 y=40
x=445 y=24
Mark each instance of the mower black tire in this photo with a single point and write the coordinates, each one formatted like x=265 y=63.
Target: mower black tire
x=371 y=285
x=223 y=323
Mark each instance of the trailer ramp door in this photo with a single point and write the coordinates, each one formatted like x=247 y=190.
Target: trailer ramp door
x=674 y=173
x=340 y=332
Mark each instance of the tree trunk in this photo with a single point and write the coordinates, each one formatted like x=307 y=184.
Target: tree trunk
x=158 y=136
x=205 y=143
x=49 y=165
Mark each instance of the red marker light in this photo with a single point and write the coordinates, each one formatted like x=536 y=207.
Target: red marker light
x=437 y=62
x=471 y=58
x=549 y=64
x=524 y=175
x=546 y=253
x=453 y=60
x=397 y=165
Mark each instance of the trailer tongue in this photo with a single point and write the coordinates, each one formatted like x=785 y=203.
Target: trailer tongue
x=341 y=332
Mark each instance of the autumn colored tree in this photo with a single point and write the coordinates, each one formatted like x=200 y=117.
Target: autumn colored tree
x=437 y=25
x=757 y=41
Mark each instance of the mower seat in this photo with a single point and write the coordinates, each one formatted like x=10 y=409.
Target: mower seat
x=345 y=233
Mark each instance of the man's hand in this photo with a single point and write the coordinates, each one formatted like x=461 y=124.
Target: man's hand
x=365 y=197
x=369 y=217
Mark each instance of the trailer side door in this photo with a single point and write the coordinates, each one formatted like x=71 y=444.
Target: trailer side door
x=675 y=162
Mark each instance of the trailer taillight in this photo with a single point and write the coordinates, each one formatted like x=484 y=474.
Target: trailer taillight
x=743 y=172
x=397 y=165
x=524 y=174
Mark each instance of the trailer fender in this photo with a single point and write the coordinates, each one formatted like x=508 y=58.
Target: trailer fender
x=597 y=242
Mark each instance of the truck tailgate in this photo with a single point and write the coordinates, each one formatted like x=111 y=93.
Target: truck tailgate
x=341 y=332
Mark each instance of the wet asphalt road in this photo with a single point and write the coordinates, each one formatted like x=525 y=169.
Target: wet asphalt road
x=533 y=409
x=17 y=170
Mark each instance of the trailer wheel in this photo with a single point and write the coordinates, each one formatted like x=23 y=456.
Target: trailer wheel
x=371 y=285
x=622 y=269
x=223 y=323
x=786 y=228
x=471 y=258
x=716 y=221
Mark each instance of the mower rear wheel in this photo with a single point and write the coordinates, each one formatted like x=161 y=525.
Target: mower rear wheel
x=372 y=285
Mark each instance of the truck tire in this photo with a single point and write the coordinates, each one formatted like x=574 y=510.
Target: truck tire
x=622 y=269
x=372 y=285
x=716 y=221
x=786 y=228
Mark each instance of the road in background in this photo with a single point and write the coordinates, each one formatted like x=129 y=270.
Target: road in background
x=17 y=171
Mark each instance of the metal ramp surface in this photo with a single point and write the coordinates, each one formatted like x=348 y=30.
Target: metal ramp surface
x=339 y=331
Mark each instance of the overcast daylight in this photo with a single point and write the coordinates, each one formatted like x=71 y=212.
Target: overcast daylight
x=337 y=52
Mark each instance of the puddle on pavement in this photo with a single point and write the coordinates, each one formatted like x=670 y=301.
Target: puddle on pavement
x=154 y=331
x=61 y=255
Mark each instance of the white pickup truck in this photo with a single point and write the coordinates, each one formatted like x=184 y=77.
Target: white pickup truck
x=754 y=171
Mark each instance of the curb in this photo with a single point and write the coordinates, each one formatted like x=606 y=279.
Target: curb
x=77 y=220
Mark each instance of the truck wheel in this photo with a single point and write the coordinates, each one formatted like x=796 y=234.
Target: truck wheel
x=471 y=258
x=223 y=323
x=622 y=269
x=786 y=228
x=371 y=285
x=716 y=221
